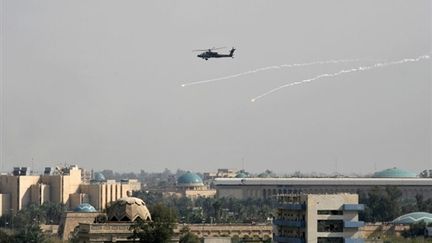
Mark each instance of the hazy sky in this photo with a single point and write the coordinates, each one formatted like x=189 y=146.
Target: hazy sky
x=97 y=83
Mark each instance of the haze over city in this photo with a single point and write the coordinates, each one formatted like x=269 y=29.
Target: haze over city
x=98 y=83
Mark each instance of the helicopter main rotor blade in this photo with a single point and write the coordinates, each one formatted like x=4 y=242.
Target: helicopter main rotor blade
x=217 y=48
x=210 y=49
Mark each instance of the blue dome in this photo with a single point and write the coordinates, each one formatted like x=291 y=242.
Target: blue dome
x=412 y=218
x=394 y=173
x=84 y=208
x=241 y=175
x=98 y=176
x=190 y=179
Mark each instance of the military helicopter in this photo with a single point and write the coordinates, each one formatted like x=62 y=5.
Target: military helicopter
x=210 y=53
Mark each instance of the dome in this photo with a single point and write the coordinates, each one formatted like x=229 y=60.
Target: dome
x=394 y=173
x=190 y=179
x=412 y=218
x=99 y=177
x=128 y=209
x=241 y=175
x=84 y=208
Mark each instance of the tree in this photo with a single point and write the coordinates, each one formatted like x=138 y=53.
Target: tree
x=159 y=230
x=31 y=233
x=188 y=237
x=382 y=204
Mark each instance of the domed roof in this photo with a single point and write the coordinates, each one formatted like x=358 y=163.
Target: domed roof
x=190 y=179
x=412 y=218
x=84 y=208
x=128 y=209
x=98 y=176
x=241 y=175
x=394 y=173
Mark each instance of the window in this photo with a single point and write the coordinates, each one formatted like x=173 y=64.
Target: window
x=330 y=240
x=330 y=212
x=330 y=225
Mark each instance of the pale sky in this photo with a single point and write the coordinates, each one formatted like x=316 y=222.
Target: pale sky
x=98 y=84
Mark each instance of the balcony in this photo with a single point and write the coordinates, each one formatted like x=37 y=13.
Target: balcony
x=353 y=207
x=289 y=223
x=353 y=224
x=352 y=240
x=292 y=206
x=283 y=239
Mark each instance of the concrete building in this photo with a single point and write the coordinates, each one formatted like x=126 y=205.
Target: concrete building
x=21 y=188
x=317 y=218
x=191 y=185
x=59 y=185
x=120 y=217
x=243 y=188
x=101 y=193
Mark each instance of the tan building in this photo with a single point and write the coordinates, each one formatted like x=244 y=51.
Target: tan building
x=317 y=218
x=191 y=185
x=101 y=194
x=120 y=216
x=22 y=188
x=59 y=185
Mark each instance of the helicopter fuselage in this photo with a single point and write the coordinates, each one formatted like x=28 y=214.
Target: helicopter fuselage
x=212 y=54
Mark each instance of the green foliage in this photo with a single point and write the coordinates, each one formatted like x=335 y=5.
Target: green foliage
x=382 y=204
x=160 y=229
x=25 y=223
x=6 y=236
x=188 y=237
x=31 y=233
x=214 y=210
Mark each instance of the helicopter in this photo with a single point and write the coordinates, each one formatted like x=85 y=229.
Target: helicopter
x=210 y=53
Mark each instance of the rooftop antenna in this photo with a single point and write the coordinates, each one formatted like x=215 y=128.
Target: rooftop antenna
x=243 y=162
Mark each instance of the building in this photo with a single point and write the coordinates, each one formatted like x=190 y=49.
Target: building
x=191 y=185
x=101 y=193
x=120 y=217
x=63 y=185
x=221 y=173
x=19 y=189
x=243 y=188
x=317 y=218
x=83 y=213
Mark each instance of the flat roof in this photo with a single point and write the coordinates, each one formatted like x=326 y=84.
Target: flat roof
x=323 y=181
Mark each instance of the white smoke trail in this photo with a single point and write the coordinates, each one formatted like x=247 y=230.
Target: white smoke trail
x=269 y=68
x=363 y=68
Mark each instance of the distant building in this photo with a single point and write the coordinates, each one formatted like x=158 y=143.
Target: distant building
x=221 y=173
x=59 y=185
x=101 y=193
x=19 y=189
x=317 y=218
x=244 y=188
x=191 y=185
x=120 y=217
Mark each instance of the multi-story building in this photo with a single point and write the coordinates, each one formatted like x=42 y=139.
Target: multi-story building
x=21 y=188
x=63 y=185
x=318 y=218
